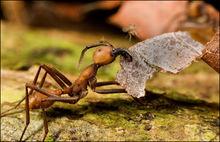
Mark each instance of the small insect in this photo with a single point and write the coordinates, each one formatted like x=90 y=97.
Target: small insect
x=38 y=97
x=131 y=30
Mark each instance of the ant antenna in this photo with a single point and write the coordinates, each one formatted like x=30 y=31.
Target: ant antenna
x=100 y=43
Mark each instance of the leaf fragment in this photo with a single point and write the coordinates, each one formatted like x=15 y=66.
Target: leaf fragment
x=170 y=52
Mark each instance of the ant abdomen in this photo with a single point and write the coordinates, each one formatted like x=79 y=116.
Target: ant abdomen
x=36 y=100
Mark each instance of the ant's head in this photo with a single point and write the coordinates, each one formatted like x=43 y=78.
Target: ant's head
x=103 y=55
x=106 y=54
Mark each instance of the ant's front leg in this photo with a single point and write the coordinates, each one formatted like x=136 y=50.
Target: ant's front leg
x=93 y=84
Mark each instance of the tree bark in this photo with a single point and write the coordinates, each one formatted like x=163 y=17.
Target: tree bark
x=211 y=52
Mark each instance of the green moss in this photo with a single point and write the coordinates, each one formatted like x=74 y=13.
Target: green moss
x=49 y=139
x=35 y=47
x=197 y=67
x=181 y=97
x=11 y=95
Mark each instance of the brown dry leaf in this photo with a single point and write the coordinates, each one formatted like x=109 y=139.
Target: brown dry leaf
x=151 y=18
x=171 y=52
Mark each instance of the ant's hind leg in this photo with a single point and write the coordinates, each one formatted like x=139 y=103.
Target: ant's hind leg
x=56 y=75
x=45 y=124
x=5 y=112
x=27 y=110
x=31 y=91
x=61 y=76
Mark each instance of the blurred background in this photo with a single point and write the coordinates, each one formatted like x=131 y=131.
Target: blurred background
x=55 y=32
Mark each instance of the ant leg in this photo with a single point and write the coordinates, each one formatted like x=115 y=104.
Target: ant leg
x=109 y=91
x=52 y=70
x=71 y=100
x=41 y=90
x=98 y=84
x=27 y=112
x=45 y=124
x=93 y=84
x=43 y=80
x=34 y=82
x=61 y=76
x=52 y=97
x=54 y=76
x=5 y=112
x=27 y=109
x=10 y=113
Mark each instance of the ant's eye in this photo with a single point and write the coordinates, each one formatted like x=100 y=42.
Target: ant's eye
x=99 y=50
